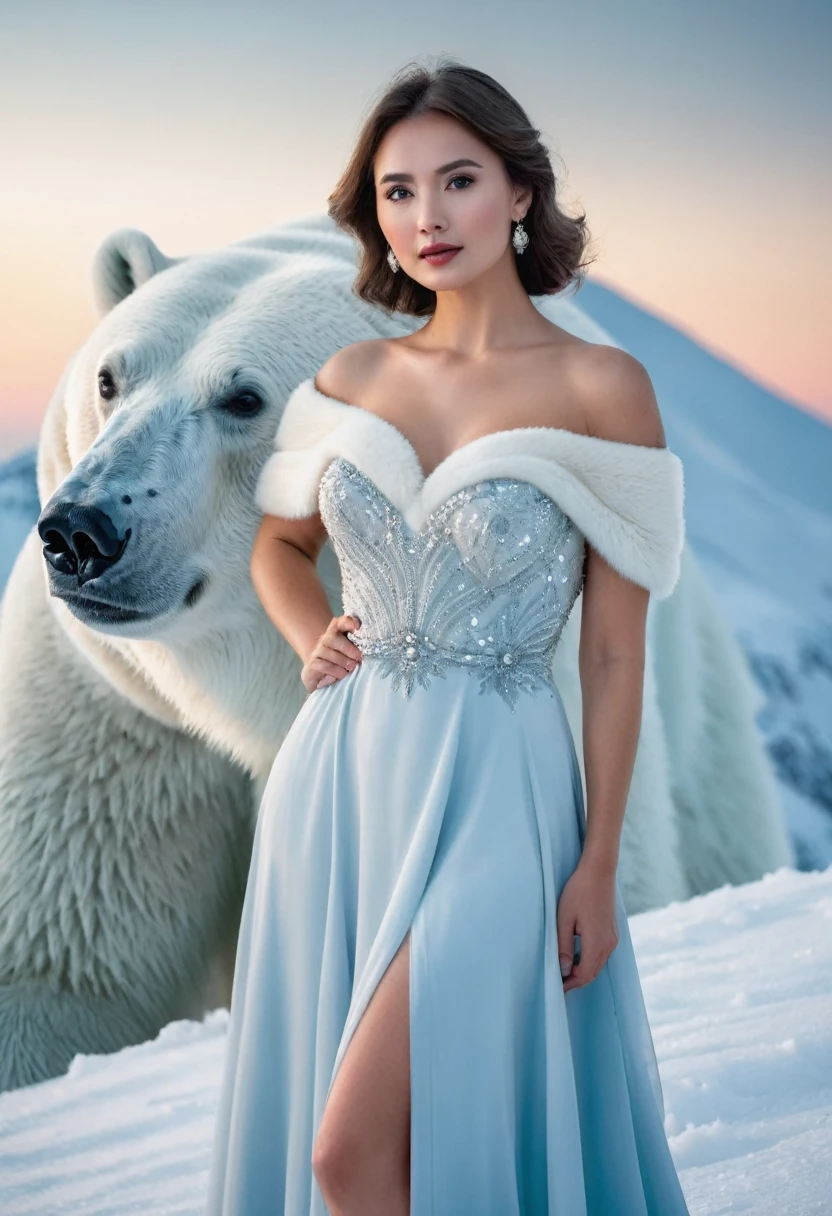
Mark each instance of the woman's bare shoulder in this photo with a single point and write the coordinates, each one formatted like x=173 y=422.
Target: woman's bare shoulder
x=617 y=395
x=345 y=374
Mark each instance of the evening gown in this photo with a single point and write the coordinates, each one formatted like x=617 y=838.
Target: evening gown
x=436 y=789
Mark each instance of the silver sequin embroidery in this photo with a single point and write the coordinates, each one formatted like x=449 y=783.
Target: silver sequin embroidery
x=487 y=583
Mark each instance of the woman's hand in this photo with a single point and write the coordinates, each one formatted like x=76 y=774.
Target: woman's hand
x=586 y=907
x=334 y=655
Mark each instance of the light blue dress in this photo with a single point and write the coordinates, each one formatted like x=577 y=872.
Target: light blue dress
x=436 y=790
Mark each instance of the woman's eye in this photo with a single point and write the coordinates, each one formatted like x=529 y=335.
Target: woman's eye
x=460 y=177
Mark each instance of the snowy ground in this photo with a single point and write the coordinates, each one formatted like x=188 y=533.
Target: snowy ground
x=738 y=986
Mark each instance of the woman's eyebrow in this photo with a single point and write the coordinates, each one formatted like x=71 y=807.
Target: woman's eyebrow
x=408 y=177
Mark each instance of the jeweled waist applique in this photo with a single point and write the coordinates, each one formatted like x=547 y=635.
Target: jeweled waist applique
x=411 y=658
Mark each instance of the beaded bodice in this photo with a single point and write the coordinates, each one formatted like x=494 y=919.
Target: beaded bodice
x=487 y=582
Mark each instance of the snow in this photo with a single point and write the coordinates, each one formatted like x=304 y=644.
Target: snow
x=738 y=988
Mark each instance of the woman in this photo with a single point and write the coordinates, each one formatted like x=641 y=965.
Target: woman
x=412 y=1028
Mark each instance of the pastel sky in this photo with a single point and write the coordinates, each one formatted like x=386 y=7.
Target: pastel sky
x=694 y=135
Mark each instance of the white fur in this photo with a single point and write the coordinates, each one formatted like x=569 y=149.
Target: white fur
x=627 y=499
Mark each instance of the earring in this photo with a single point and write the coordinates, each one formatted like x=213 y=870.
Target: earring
x=520 y=238
x=392 y=260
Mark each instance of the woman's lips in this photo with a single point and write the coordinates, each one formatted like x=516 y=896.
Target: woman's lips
x=439 y=259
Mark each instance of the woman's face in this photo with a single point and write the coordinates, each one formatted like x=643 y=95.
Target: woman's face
x=436 y=182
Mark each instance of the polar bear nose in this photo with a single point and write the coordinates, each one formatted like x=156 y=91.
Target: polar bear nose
x=80 y=540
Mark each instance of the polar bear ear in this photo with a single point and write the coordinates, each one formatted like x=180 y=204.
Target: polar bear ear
x=123 y=261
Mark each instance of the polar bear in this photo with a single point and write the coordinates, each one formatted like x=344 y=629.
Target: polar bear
x=146 y=692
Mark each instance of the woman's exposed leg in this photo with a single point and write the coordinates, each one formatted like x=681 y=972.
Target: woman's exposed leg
x=361 y=1157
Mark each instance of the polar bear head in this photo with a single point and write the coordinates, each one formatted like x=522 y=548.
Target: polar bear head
x=151 y=450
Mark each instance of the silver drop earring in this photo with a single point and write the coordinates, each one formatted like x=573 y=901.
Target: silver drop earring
x=392 y=260
x=520 y=238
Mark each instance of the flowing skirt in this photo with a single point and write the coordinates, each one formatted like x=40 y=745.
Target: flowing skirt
x=448 y=815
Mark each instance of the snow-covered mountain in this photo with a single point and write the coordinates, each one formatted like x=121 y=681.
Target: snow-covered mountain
x=759 y=518
x=19 y=507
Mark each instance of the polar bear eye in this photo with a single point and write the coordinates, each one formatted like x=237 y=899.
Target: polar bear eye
x=106 y=385
x=244 y=403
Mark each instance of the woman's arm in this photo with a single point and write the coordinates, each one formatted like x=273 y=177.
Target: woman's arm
x=285 y=576
x=611 y=660
x=611 y=665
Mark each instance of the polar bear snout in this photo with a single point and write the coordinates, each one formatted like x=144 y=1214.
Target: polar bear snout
x=89 y=566
x=80 y=541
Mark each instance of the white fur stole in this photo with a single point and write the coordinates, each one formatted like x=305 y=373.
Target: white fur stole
x=627 y=499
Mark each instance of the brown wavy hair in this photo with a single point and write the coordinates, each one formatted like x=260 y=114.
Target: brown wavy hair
x=554 y=257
